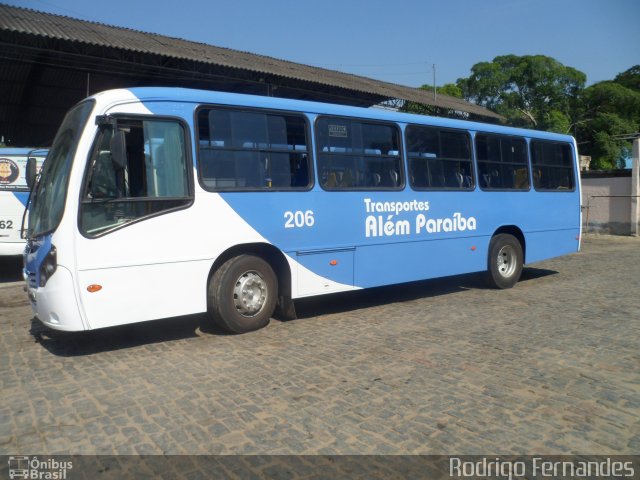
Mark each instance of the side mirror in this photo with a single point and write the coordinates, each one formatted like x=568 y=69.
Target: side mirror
x=30 y=174
x=118 y=147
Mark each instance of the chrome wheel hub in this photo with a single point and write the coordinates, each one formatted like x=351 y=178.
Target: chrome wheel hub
x=249 y=293
x=506 y=261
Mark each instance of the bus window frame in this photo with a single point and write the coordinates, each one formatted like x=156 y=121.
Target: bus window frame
x=528 y=162
x=95 y=145
x=266 y=111
x=402 y=184
x=472 y=159
x=572 y=165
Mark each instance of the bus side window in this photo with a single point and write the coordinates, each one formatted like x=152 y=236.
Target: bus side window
x=503 y=163
x=155 y=170
x=439 y=158
x=252 y=150
x=552 y=166
x=355 y=154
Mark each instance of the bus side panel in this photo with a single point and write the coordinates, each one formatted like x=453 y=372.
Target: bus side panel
x=325 y=271
x=392 y=234
x=157 y=267
x=552 y=243
x=552 y=225
x=142 y=292
x=11 y=211
x=405 y=262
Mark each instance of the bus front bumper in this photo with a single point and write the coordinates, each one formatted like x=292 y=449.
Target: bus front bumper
x=55 y=304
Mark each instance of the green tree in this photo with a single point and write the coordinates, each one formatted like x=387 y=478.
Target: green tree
x=611 y=97
x=610 y=112
x=450 y=89
x=630 y=78
x=533 y=91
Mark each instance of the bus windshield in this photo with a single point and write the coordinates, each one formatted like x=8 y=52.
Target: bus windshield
x=47 y=204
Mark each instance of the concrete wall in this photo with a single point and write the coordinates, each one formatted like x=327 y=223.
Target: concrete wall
x=610 y=200
x=606 y=203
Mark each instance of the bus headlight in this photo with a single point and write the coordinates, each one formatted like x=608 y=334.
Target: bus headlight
x=48 y=266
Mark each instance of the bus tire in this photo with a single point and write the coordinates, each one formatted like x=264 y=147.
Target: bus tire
x=243 y=294
x=505 y=261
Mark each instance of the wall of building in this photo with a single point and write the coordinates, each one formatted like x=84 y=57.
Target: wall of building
x=606 y=204
x=610 y=200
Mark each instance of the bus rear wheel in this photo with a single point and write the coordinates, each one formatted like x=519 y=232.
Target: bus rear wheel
x=243 y=294
x=505 y=261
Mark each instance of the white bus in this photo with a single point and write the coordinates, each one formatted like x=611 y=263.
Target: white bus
x=14 y=193
x=161 y=202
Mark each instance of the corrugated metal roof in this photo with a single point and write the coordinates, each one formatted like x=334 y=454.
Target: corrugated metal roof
x=31 y=22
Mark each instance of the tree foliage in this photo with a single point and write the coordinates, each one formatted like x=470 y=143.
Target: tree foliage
x=610 y=112
x=450 y=89
x=533 y=91
x=540 y=92
x=630 y=78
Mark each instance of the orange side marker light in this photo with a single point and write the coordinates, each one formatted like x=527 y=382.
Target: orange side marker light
x=94 y=288
x=333 y=263
x=473 y=248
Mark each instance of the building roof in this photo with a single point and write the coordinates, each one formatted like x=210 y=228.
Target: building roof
x=24 y=23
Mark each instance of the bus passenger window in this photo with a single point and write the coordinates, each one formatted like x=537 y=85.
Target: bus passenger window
x=439 y=159
x=252 y=150
x=552 y=164
x=358 y=155
x=502 y=162
x=153 y=179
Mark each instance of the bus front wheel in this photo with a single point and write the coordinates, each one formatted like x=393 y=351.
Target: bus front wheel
x=243 y=294
x=505 y=261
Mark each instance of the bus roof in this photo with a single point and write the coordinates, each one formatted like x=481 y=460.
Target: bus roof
x=147 y=94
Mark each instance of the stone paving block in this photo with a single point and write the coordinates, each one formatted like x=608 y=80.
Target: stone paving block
x=443 y=366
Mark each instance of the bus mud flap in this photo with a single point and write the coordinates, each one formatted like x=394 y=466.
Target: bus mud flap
x=285 y=310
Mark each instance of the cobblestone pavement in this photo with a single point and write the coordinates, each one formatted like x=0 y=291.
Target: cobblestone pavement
x=551 y=366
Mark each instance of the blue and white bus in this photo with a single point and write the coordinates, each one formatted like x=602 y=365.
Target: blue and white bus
x=160 y=202
x=13 y=195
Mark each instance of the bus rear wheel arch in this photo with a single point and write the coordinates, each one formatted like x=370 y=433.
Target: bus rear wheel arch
x=242 y=294
x=505 y=261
